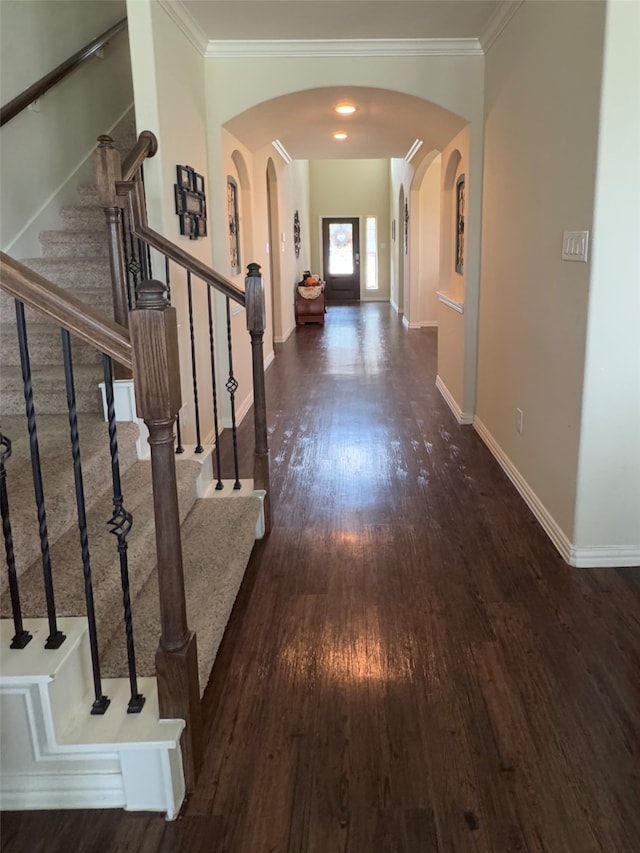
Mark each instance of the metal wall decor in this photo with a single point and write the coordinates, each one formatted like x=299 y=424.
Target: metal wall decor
x=406 y=227
x=234 y=225
x=296 y=234
x=191 y=204
x=460 y=199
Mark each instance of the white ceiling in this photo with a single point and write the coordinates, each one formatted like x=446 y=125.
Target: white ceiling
x=386 y=123
x=341 y=19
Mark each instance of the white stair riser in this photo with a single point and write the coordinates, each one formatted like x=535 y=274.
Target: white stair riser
x=56 y=755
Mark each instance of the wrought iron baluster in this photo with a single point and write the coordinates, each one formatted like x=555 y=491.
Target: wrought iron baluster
x=101 y=702
x=143 y=204
x=125 y=228
x=21 y=636
x=167 y=275
x=214 y=387
x=194 y=369
x=134 y=267
x=232 y=386
x=56 y=637
x=179 y=447
x=120 y=524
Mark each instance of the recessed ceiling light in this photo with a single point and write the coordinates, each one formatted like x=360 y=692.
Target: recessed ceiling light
x=345 y=109
x=339 y=134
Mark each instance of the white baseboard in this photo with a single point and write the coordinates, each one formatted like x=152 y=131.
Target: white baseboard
x=269 y=359
x=549 y=525
x=281 y=339
x=626 y=556
x=460 y=416
x=421 y=324
x=580 y=557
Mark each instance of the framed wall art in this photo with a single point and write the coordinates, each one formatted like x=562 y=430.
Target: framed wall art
x=296 y=234
x=191 y=203
x=234 y=226
x=460 y=202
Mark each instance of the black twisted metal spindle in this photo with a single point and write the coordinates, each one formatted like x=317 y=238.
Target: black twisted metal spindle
x=232 y=386
x=179 y=447
x=167 y=274
x=120 y=524
x=101 y=702
x=214 y=387
x=124 y=227
x=21 y=636
x=194 y=369
x=134 y=267
x=143 y=203
x=56 y=637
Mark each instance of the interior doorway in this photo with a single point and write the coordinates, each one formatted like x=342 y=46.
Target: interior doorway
x=341 y=259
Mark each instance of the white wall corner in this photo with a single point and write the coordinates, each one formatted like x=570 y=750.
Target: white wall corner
x=497 y=22
x=460 y=416
x=186 y=23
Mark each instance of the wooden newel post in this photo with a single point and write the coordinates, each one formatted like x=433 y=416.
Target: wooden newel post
x=156 y=370
x=256 y=321
x=108 y=171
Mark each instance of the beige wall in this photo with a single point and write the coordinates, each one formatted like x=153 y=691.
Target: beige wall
x=352 y=188
x=607 y=525
x=457 y=332
x=44 y=154
x=542 y=106
x=168 y=80
x=453 y=82
x=428 y=244
x=400 y=177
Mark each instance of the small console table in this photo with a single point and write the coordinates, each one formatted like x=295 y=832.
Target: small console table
x=310 y=306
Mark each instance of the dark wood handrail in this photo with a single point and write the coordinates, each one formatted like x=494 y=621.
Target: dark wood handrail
x=140 y=228
x=20 y=102
x=146 y=146
x=67 y=310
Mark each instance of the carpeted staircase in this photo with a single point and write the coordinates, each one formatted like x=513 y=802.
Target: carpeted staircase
x=218 y=534
x=76 y=257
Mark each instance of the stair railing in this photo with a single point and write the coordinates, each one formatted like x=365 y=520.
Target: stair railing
x=121 y=193
x=151 y=351
x=33 y=291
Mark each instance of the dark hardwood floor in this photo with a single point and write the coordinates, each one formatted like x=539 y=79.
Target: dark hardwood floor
x=410 y=667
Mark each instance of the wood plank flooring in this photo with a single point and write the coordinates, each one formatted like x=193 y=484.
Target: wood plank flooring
x=410 y=667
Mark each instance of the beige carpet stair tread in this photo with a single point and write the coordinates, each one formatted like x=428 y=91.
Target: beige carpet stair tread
x=49 y=389
x=45 y=346
x=105 y=563
x=217 y=539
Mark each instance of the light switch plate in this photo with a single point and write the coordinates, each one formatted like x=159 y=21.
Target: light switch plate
x=575 y=246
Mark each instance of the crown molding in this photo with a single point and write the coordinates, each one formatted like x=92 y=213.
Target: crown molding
x=498 y=21
x=343 y=47
x=185 y=22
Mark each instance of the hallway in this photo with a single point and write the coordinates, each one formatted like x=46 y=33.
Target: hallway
x=410 y=667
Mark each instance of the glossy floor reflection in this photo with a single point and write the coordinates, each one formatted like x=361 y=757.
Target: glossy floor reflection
x=410 y=666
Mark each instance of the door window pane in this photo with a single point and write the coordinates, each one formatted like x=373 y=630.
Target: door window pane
x=340 y=248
